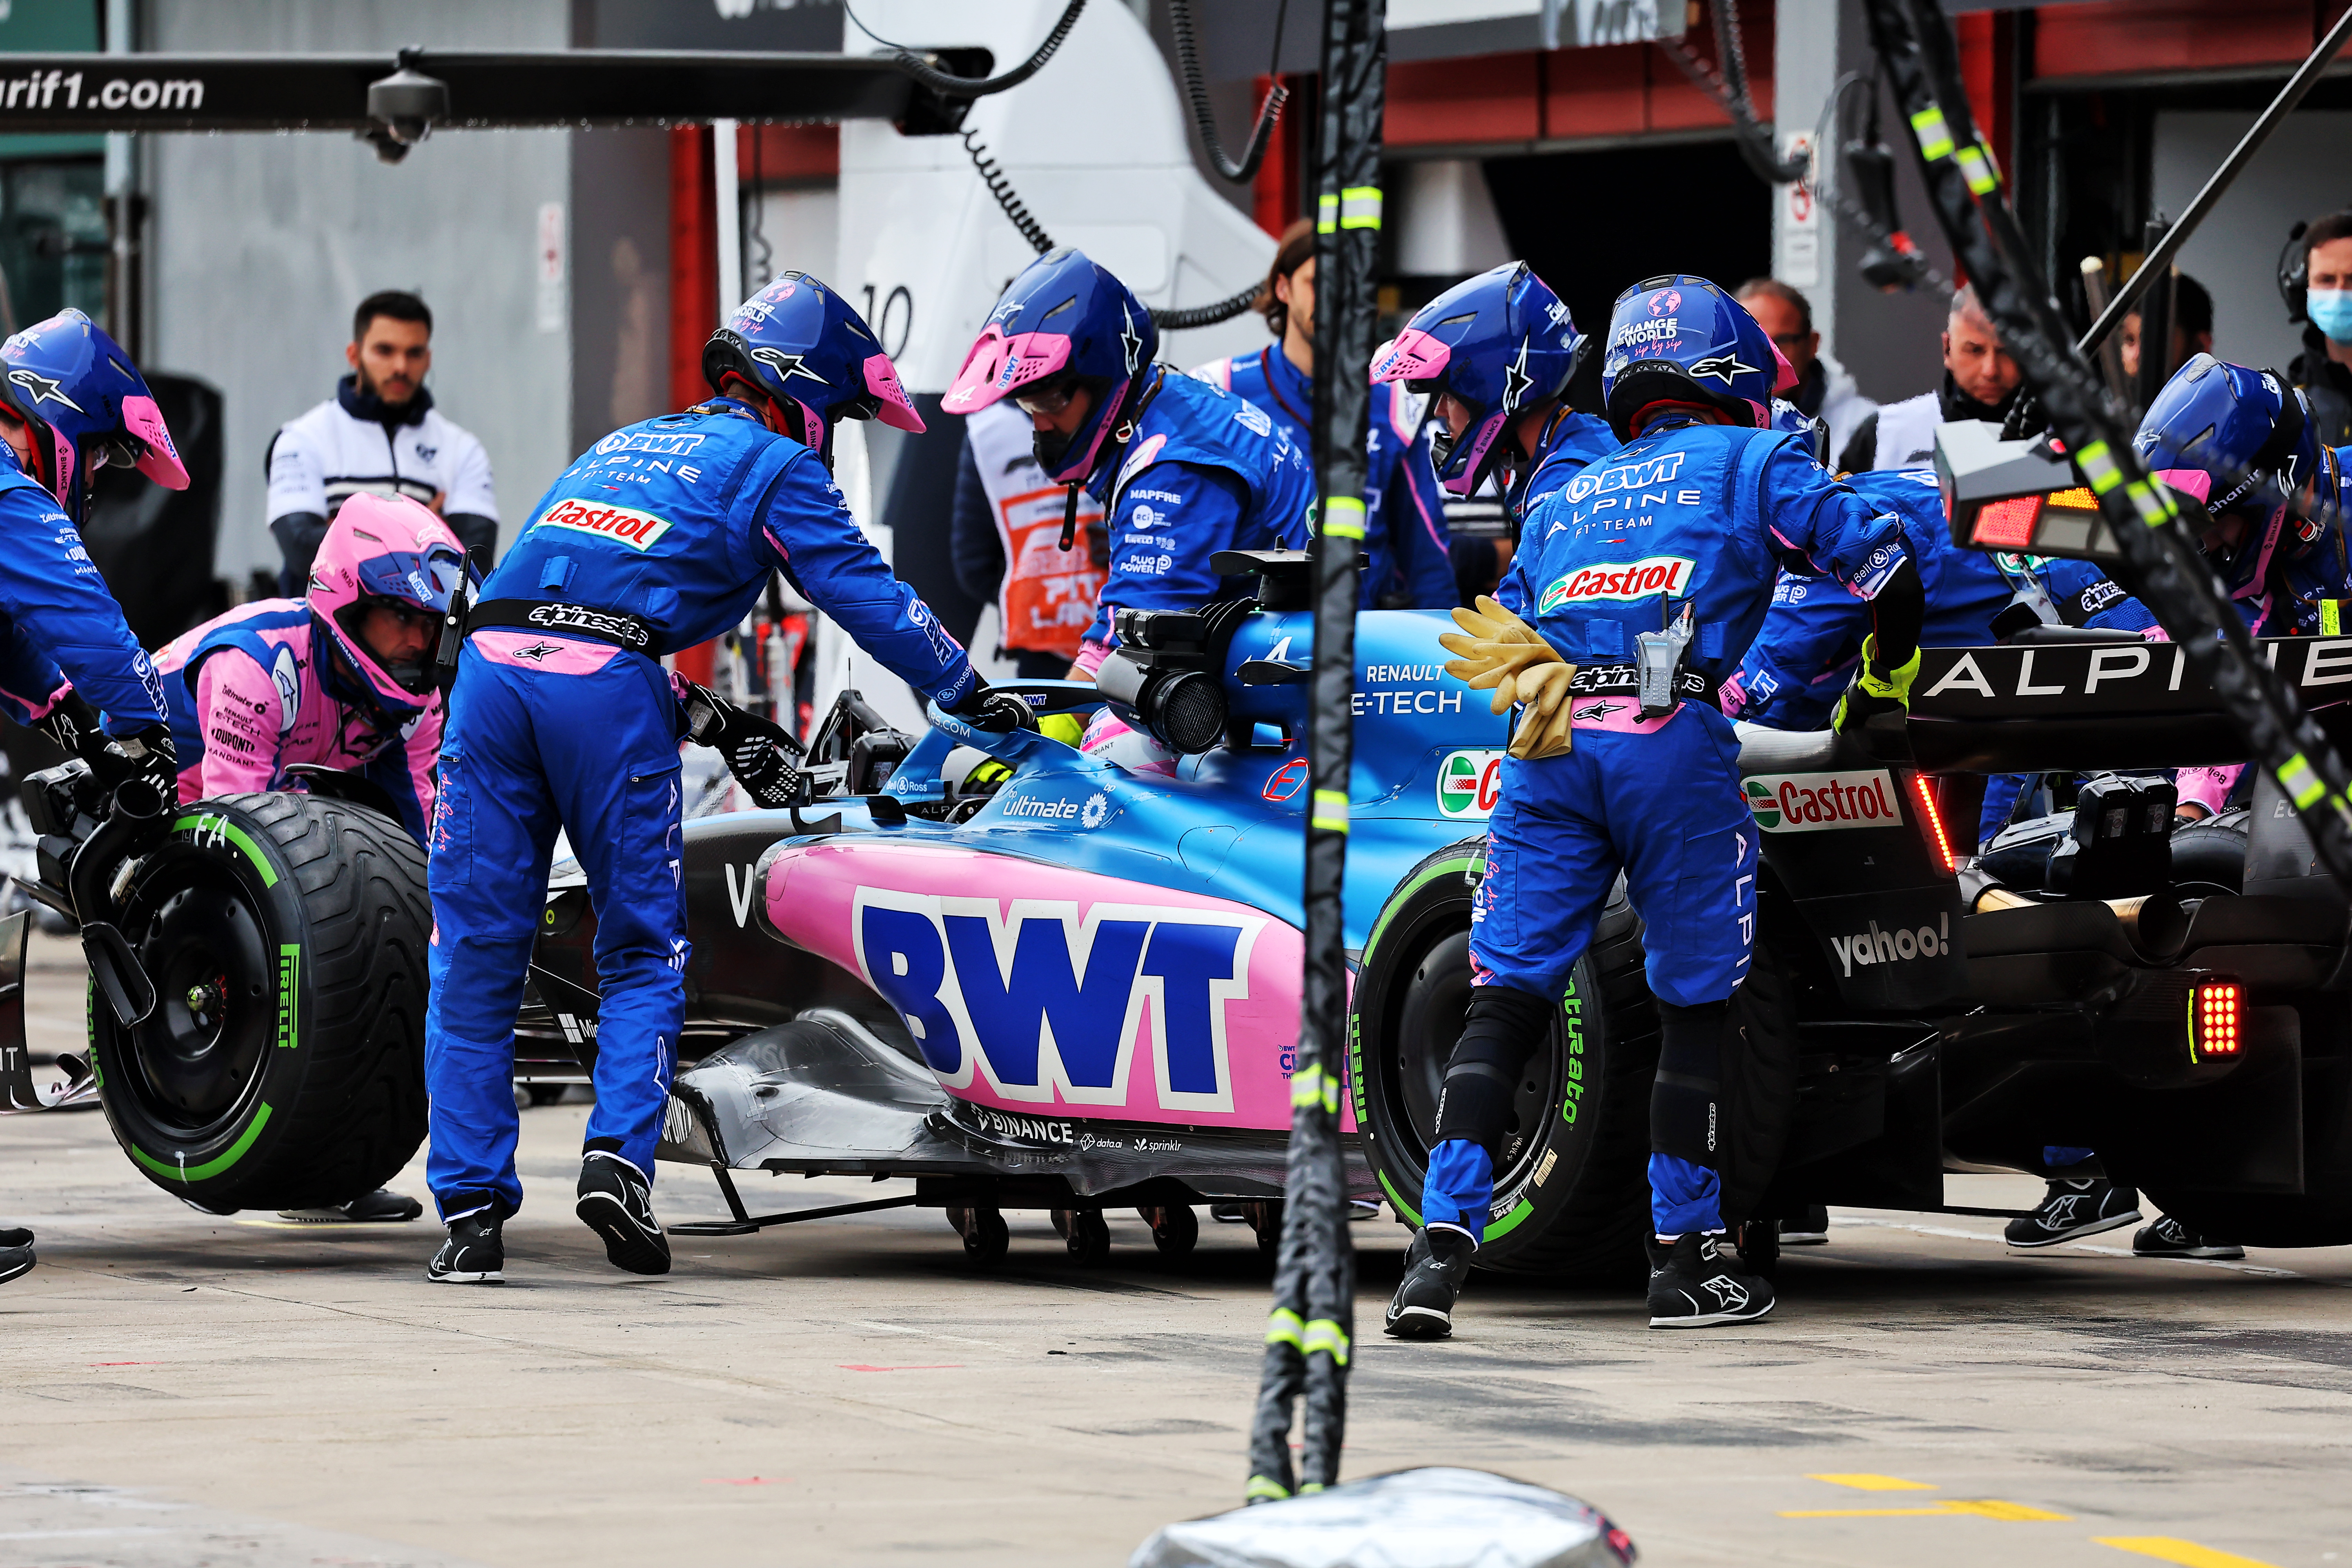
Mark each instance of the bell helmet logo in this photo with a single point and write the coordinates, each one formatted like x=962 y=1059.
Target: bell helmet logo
x=1469 y=784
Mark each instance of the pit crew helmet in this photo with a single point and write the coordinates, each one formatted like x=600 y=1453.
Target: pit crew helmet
x=1065 y=322
x=86 y=407
x=1498 y=343
x=388 y=550
x=2242 y=441
x=1679 y=339
x=804 y=345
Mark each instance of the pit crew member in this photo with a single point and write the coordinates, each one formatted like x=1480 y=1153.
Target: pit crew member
x=1825 y=390
x=1005 y=532
x=2323 y=368
x=1658 y=557
x=1979 y=381
x=1408 y=562
x=660 y=536
x=70 y=405
x=379 y=434
x=1182 y=469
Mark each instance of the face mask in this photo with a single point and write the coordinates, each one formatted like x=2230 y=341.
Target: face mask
x=2331 y=312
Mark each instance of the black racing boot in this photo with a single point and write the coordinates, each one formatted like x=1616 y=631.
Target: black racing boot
x=616 y=1202
x=1697 y=1281
x=15 y=1254
x=2167 y=1237
x=2074 y=1207
x=475 y=1253
x=382 y=1206
x=1435 y=1267
x=1810 y=1229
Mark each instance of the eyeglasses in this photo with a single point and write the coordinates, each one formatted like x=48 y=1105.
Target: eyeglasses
x=1790 y=340
x=1046 y=401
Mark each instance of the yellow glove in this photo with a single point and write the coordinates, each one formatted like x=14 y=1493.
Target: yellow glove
x=1066 y=727
x=1497 y=651
x=1544 y=724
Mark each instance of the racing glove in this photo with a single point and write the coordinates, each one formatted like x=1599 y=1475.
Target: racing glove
x=146 y=755
x=998 y=712
x=1500 y=652
x=1876 y=688
x=761 y=754
x=74 y=725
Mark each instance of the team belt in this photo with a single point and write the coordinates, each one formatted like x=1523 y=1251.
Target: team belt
x=1622 y=680
x=614 y=626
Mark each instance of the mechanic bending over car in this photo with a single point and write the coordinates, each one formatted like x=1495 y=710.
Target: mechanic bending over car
x=70 y=404
x=661 y=535
x=1631 y=639
x=1408 y=564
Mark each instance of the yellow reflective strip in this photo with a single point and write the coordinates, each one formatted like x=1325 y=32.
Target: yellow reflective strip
x=1261 y=1490
x=1326 y=214
x=1310 y=1488
x=2331 y=617
x=1311 y=1084
x=2098 y=466
x=1977 y=170
x=1282 y=1327
x=1330 y=811
x=1935 y=136
x=2301 y=785
x=1325 y=1334
x=1360 y=207
x=1344 y=518
x=2154 y=508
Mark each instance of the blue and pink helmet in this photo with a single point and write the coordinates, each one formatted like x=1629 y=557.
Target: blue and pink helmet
x=88 y=407
x=1498 y=344
x=1681 y=339
x=1065 y=320
x=385 y=550
x=804 y=345
x=2243 y=443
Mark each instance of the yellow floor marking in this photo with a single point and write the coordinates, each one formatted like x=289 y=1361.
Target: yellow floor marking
x=1868 y=1483
x=2188 y=1554
x=1980 y=1508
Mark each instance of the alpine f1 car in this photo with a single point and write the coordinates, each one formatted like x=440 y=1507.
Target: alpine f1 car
x=1076 y=987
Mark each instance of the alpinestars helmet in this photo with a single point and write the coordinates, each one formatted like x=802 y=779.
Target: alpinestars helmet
x=1680 y=339
x=1498 y=344
x=803 y=344
x=88 y=409
x=1067 y=322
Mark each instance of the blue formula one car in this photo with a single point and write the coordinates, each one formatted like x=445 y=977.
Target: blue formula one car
x=1076 y=987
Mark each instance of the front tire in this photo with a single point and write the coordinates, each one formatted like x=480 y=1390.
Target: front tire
x=283 y=1066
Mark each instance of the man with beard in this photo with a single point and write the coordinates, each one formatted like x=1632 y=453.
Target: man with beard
x=380 y=434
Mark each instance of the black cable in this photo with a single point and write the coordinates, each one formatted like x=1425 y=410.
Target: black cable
x=759 y=209
x=1729 y=91
x=1196 y=92
x=993 y=174
x=1194 y=316
x=948 y=86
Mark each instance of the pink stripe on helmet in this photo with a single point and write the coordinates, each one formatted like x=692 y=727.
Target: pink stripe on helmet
x=882 y=380
x=2189 y=482
x=1415 y=356
x=998 y=366
x=161 y=463
x=1488 y=431
x=1784 y=374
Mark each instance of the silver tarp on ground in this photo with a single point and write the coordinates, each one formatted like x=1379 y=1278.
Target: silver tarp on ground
x=1433 y=1518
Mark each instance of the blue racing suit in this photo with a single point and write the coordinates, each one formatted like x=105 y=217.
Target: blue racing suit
x=1571 y=443
x=1805 y=655
x=1205 y=471
x=1686 y=515
x=675 y=522
x=1405 y=540
x=56 y=611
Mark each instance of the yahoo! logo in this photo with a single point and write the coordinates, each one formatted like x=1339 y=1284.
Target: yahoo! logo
x=1045 y=1002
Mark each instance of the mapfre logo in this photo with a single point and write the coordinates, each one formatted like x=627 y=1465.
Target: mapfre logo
x=1658 y=574
x=637 y=529
x=1048 y=1004
x=1817 y=802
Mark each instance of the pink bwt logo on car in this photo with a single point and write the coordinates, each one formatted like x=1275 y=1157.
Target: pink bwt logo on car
x=1058 y=988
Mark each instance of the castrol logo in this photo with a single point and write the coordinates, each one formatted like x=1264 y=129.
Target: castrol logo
x=637 y=529
x=1817 y=802
x=1641 y=579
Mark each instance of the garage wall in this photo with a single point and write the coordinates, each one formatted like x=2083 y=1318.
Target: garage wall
x=261 y=245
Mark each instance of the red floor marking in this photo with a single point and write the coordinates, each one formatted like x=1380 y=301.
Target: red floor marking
x=746 y=1481
x=126 y=1363
x=942 y=1366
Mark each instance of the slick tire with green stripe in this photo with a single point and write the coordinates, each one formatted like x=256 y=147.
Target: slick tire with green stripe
x=1571 y=1195
x=283 y=1066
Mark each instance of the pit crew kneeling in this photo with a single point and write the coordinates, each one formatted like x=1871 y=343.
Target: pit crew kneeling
x=1647 y=576
x=661 y=535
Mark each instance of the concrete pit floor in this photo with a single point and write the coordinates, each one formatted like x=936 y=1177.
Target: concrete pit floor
x=179 y=1390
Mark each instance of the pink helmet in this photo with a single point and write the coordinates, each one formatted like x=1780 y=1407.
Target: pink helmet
x=390 y=551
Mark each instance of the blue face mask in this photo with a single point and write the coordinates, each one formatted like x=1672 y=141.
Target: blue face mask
x=2331 y=312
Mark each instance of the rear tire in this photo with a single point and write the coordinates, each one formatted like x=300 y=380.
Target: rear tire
x=1089 y=1237
x=283 y=1066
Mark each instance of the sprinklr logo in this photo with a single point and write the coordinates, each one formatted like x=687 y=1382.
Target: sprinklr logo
x=1877 y=946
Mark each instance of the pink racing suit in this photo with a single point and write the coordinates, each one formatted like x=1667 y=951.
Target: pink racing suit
x=249 y=697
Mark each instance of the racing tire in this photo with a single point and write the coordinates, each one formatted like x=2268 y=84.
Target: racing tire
x=1174 y=1231
x=1089 y=1237
x=283 y=1066
x=986 y=1237
x=1572 y=1188
x=2209 y=857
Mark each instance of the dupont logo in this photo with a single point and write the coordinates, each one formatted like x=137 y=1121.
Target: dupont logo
x=1468 y=784
x=1820 y=802
x=637 y=529
x=1657 y=574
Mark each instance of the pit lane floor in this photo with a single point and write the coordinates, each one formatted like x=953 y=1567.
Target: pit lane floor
x=178 y=1389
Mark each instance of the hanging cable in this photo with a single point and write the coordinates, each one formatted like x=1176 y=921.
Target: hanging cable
x=1196 y=92
x=1730 y=90
x=948 y=86
x=992 y=174
x=1194 y=316
x=765 y=267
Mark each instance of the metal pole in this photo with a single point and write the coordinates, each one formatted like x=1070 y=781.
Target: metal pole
x=1309 y=1335
x=2160 y=260
x=729 y=190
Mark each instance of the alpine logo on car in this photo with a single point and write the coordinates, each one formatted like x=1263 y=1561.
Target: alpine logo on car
x=637 y=529
x=1872 y=945
x=1285 y=781
x=1046 y=1004
x=1642 y=579
x=1469 y=783
x=1819 y=803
